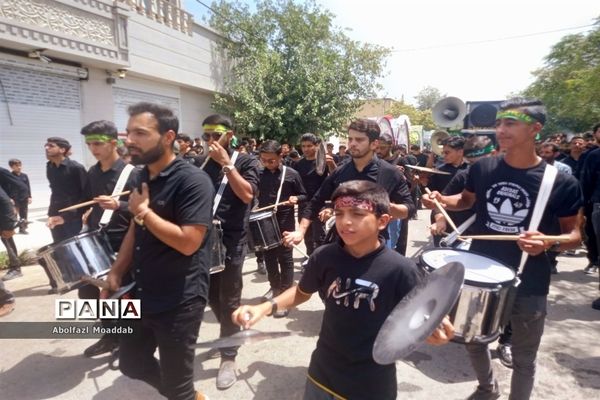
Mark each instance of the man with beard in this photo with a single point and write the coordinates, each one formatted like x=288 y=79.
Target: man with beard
x=363 y=141
x=240 y=177
x=312 y=181
x=549 y=152
x=167 y=253
x=109 y=213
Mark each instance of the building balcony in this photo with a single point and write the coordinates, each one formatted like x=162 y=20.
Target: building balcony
x=164 y=12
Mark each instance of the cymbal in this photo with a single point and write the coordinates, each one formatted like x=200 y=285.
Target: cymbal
x=418 y=314
x=242 y=337
x=430 y=170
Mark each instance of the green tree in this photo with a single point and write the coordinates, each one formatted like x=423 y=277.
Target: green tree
x=569 y=83
x=416 y=116
x=292 y=70
x=427 y=98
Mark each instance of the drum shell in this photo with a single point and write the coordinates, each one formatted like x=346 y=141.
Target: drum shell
x=478 y=311
x=264 y=231
x=88 y=254
x=217 y=249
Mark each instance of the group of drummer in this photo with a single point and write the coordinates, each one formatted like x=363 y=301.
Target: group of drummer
x=174 y=203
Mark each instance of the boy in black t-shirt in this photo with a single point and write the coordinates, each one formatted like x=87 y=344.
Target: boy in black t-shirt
x=362 y=281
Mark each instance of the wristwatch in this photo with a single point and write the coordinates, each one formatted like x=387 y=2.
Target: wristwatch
x=273 y=306
x=228 y=168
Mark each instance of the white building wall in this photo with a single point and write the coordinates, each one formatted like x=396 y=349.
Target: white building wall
x=195 y=106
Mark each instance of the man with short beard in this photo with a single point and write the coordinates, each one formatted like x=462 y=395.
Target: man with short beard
x=166 y=250
x=363 y=141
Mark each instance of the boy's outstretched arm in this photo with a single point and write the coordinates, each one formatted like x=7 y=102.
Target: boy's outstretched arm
x=246 y=316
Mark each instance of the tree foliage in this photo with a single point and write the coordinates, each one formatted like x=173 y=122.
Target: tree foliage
x=569 y=82
x=427 y=98
x=416 y=116
x=292 y=71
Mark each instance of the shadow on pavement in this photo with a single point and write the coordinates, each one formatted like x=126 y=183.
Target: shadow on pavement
x=446 y=364
x=280 y=382
x=586 y=371
x=47 y=375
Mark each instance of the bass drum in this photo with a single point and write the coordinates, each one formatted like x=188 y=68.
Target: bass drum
x=479 y=310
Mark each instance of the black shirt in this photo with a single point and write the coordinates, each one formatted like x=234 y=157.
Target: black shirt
x=505 y=201
x=8 y=218
x=67 y=184
x=421 y=159
x=166 y=278
x=456 y=186
x=268 y=187
x=103 y=183
x=438 y=181
x=377 y=171
x=13 y=186
x=310 y=179
x=194 y=160
x=342 y=360
x=232 y=211
x=590 y=177
x=18 y=197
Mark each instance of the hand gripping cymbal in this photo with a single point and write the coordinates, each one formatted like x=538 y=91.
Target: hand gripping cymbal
x=418 y=314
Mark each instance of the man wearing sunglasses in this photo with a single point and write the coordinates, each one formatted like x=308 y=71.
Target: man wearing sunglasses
x=232 y=211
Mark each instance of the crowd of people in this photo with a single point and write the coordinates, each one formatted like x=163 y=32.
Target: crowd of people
x=183 y=190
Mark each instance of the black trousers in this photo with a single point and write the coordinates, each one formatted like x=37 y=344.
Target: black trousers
x=315 y=236
x=6 y=295
x=13 y=254
x=591 y=238
x=280 y=268
x=226 y=287
x=174 y=332
x=23 y=207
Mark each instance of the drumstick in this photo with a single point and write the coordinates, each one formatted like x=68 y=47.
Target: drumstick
x=556 y=238
x=89 y=203
x=99 y=283
x=442 y=210
x=300 y=251
x=283 y=203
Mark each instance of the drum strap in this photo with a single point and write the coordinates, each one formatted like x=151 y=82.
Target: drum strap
x=107 y=214
x=540 y=205
x=221 y=189
x=280 y=186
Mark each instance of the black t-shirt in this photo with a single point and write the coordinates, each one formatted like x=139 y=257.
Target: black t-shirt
x=590 y=178
x=421 y=159
x=359 y=295
x=181 y=194
x=456 y=186
x=67 y=185
x=232 y=211
x=438 y=181
x=505 y=200
x=268 y=187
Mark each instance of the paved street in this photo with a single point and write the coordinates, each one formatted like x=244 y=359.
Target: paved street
x=568 y=366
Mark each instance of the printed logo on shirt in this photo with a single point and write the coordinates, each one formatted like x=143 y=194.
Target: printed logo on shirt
x=508 y=205
x=353 y=292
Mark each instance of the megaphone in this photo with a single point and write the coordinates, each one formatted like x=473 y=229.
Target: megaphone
x=449 y=112
x=436 y=141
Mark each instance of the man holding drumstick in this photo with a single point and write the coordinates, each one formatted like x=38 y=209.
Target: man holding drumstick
x=503 y=190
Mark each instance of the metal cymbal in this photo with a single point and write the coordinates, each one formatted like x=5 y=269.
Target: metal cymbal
x=430 y=170
x=418 y=314
x=242 y=337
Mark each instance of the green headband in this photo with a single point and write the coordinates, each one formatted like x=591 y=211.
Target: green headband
x=480 y=152
x=516 y=115
x=215 y=128
x=98 y=137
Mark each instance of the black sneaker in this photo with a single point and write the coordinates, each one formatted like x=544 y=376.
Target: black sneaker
x=505 y=355
x=596 y=304
x=105 y=345
x=12 y=274
x=486 y=393
x=262 y=269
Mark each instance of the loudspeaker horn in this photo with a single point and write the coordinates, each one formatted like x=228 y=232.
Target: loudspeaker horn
x=449 y=112
x=436 y=141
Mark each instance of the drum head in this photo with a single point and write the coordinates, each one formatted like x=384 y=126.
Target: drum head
x=479 y=270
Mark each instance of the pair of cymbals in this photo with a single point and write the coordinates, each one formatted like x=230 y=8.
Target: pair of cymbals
x=418 y=314
x=430 y=170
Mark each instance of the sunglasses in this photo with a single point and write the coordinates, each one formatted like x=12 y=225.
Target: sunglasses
x=214 y=135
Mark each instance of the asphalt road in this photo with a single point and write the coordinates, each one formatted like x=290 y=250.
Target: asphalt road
x=31 y=369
